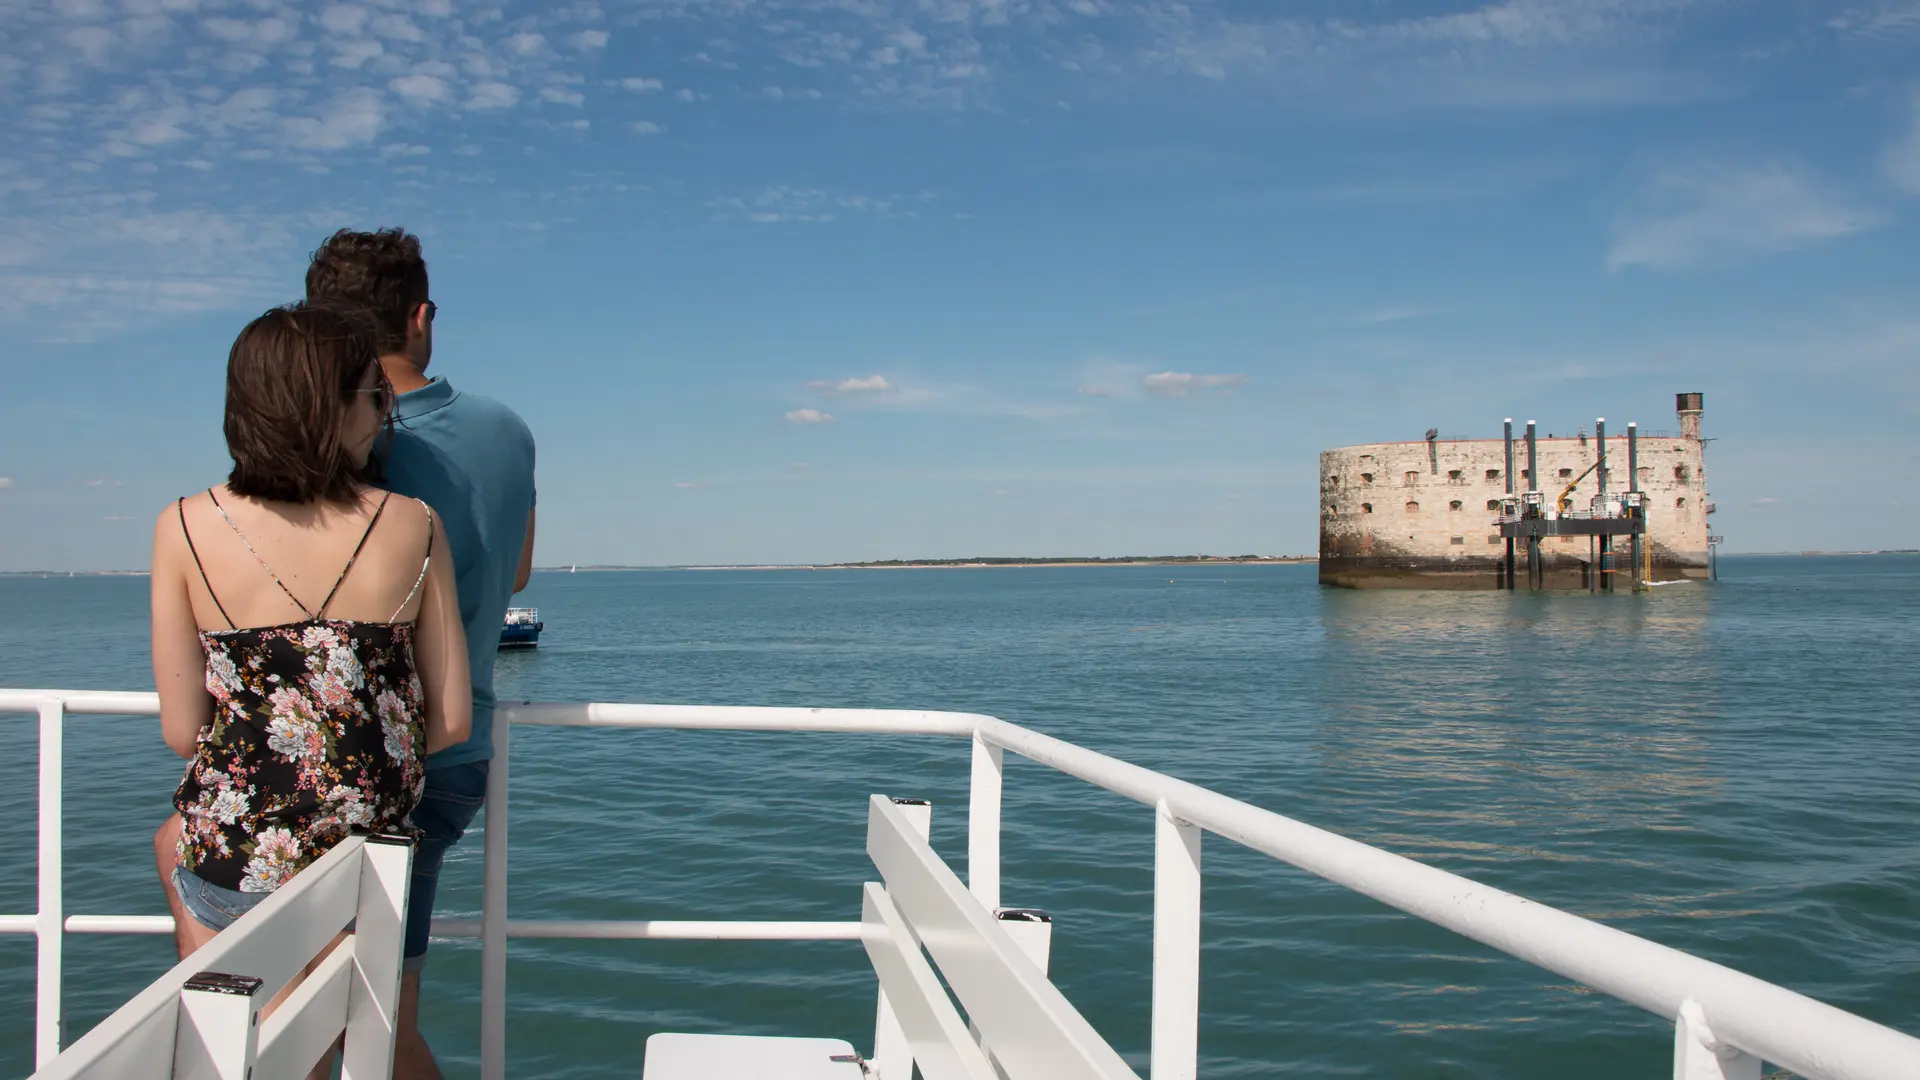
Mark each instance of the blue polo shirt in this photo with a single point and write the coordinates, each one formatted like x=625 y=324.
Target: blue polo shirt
x=471 y=459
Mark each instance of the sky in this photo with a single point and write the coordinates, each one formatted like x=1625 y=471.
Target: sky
x=781 y=281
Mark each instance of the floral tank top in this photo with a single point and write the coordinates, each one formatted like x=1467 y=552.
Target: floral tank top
x=316 y=732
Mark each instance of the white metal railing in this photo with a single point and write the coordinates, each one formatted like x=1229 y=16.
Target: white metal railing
x=204 y=1018
x=1725 y=1022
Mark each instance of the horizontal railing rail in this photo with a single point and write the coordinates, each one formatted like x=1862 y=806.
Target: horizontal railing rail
x=1726 y=1022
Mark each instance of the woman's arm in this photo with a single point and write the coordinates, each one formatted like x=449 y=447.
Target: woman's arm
x=440 y=652
x=179 y=664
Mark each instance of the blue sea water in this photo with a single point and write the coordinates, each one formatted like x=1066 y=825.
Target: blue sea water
x=1732 y=769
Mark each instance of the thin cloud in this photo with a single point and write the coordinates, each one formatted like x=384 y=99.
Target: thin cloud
x=809 y=416
x=421 y=89
x=5 y=484
x=1902 y=158
x=351 y=118
x=639 y=85
x=1094 y=391
x=1178 y=384
x=872 y=384
x=687 y=485
x=781 y=203
x=1382 y=316
x=647 y=127
x=493 y=95
x=1715 y=212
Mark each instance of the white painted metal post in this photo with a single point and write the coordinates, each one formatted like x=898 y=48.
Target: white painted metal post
x=983 y=823
x=1032 y=931
x=493 y=913
x=1699 y=1055
x=1176 y=947
x=218 y=1037
x=49 y=923
x=892 y=1057
x=379 y=931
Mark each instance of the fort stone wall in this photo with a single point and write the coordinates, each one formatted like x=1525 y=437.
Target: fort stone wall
x=1424 y=514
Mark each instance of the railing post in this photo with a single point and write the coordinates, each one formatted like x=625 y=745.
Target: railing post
x=218 y=1035
x=1699 y=1055
x=892 y=1057
x=1032 y=931
x=379 y=929
x=49 y=923
x=983 y=823
x=493 y=913
x=1176 y=947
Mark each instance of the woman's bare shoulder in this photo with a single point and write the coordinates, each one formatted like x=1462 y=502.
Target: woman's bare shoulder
x=402 y=516
x=167 y=524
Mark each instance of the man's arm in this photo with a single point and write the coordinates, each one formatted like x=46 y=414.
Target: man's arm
x=526 y=557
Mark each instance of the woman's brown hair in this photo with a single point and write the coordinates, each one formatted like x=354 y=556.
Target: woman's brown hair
x=292 y=377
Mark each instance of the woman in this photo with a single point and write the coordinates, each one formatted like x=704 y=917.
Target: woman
x=306 y=634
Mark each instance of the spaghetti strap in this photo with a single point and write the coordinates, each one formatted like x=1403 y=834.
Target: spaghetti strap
x=424 y=563
x=263 y=563
x=347 y=569
x=180 y=505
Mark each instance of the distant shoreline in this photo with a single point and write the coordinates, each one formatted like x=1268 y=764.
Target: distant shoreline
x=983 y=564
x=1018 y=564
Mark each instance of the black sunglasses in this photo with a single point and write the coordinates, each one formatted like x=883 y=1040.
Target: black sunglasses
x=432 y=310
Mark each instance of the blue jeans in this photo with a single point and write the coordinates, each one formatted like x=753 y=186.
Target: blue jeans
x=453 y=796
x=212 y=906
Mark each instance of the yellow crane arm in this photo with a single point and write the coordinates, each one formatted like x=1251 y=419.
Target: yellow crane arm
x=1563 y=503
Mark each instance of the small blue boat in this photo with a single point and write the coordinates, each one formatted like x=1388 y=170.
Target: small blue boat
x=522 y=628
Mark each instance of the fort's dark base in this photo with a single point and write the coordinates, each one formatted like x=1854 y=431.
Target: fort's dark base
x=1467 y=574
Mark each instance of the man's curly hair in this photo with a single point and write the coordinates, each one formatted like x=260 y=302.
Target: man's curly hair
x=381 y=272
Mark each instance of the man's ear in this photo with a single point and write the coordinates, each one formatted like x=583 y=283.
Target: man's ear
x=417 y=322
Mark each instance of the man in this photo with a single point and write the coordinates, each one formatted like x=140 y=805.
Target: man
x=471 y=459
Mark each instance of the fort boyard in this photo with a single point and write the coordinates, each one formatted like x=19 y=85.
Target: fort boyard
x=1426 y=514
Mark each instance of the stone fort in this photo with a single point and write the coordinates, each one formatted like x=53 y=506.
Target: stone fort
x=1423 y=514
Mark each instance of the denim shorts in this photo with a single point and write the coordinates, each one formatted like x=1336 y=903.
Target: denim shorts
x=452 y=798
x=212 y=906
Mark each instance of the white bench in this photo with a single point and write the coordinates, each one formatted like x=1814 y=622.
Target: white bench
x=1022 y=1027
x=201 y=1020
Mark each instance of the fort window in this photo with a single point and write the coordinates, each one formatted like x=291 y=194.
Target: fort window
x=1454 y=505
x=1526 y=474
x=1456 y=539
x=1413 y=507
x=1564 y=473
x=1680 y=503
x=1493 y=504
x=1493 y=539
x=1680 y=474
x=1366 y=478
x=1366 y=508
x=1332 y=509
x=1333 y=481
x=1493 y=474
x=1413 y=477
x=1453 y=476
